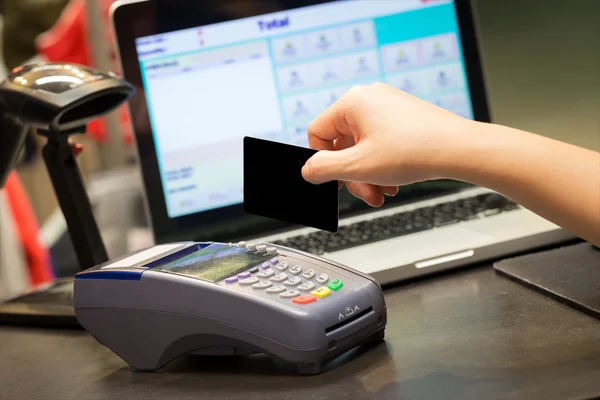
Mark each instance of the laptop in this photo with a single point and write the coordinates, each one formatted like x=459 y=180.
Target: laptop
x=209 y=73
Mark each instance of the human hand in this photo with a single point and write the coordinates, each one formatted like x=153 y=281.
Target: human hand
x=375 y=138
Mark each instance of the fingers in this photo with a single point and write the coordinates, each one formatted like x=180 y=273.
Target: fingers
x=323 y=130
x=371 y=194
x=339 y=155
x=389 y=190
x=366 y=192
x=330 y=165
x=331 y=123
x=343 y=142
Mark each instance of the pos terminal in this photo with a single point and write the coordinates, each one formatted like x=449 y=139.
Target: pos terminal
x=216 y=298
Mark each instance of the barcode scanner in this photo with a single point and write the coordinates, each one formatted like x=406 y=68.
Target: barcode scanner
x=57 y=100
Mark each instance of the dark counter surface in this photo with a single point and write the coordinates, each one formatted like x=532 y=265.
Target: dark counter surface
x=467 y=335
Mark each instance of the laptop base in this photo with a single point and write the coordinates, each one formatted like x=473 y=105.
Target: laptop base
x=569 y=274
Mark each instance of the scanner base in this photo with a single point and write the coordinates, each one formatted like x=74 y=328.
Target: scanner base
x=48 y=307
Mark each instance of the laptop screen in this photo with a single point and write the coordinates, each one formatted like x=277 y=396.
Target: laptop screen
x=269 y=76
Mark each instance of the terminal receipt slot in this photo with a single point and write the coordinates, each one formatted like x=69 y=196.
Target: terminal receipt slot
x=152 y=306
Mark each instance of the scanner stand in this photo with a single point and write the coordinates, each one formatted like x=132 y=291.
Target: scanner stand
x=52 y=305
x=73 y=199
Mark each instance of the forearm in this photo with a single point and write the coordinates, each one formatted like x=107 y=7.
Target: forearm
x=555 y=180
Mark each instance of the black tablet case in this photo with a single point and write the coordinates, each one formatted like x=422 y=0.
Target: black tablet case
x=570 y=274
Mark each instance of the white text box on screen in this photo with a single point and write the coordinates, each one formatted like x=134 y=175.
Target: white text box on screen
x=204 y=106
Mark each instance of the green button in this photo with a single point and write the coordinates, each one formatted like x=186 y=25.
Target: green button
x=335 y=284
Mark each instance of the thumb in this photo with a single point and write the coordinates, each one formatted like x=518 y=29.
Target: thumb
x=328 y=165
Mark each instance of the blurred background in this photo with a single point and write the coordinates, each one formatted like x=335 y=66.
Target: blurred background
x=541 y=62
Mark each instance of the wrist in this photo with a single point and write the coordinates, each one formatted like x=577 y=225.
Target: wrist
x=458 y=150
x=489 y=155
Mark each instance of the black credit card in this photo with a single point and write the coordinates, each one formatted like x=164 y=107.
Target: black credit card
x=274 y=186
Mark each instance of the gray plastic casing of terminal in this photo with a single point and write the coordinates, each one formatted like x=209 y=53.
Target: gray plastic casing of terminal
x=160 y=316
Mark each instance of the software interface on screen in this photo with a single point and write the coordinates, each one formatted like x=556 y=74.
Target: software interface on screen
x=269 y=76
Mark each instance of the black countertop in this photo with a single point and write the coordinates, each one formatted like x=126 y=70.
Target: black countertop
x=467 y=335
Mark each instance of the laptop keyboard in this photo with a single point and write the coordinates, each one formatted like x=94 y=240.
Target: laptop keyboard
x=404 y=223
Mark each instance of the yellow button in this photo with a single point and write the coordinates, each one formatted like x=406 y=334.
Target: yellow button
x=321 y=292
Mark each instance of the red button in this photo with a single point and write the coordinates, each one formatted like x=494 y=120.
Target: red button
x=304 y=299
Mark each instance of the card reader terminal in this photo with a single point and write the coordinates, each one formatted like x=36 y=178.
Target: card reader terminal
x=151 y=306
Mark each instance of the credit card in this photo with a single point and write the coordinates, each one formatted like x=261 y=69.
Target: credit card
x=274 y=187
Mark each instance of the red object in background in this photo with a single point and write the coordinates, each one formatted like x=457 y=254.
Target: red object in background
x=68 y=41
x=27 y=229
x=76 y=148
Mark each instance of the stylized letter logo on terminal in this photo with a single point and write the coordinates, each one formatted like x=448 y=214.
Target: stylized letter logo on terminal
x=275 y=23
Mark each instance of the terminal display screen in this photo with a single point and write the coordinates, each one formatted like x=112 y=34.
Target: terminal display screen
x=214 y=262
